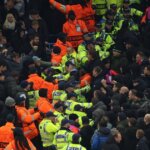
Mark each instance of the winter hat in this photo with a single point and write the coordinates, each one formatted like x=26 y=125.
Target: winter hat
x=20 y=97
x=10 y=101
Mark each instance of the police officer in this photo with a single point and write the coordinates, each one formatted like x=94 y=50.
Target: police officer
x=59 y=111
x=75 y=145
x=59 y=94
x=63 y=136
x=48 y=127
x=100 y=7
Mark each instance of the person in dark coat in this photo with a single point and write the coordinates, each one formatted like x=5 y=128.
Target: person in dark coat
x=118 y=60
x=142 y=141
x=86 y=133
x=147 y=128
x=130 y=140
x=100 y=135
x=113 y=140
x=2 y=88
x=8 y=108
x=8 y=8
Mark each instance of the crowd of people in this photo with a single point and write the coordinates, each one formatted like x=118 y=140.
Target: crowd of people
x=74 y=75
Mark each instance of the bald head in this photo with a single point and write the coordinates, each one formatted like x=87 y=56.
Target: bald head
x=147 y=119
x=124 y=90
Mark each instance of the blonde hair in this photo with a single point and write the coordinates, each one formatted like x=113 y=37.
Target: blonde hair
x=9 y=25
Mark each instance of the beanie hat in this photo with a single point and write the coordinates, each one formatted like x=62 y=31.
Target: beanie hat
x=43 y=92
x=122 y=116
x=9 y=101
x=20 y=97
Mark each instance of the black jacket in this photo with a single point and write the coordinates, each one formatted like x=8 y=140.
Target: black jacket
x=110 y=145
x=142 y=144
x=86 y=134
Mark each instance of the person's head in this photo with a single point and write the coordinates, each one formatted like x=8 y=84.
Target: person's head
x=139 y=57
x=132 y=122
x=34 y=40
x=113 y=8
x=72 y=96
x=3 y=66
x=109 y=25
x=126 y=4
x=116 y=52
x=16 y=57
x=35 y=25
x=25 y=85
x=78 y=108
x=20 y=139
x=147 y=70
x=110 y=15
x=92 y=55
x=65 y=123
x=34 y=15
x=147 y=119
x=139 y=134
x=20 y=98
x=50 y=115
x=121 y=116
x=133 y=95
x=116 y=135
x=123 y=90
x=87 y=37
x=59 y=106
x=10 y=18
x=116 y=87
x=98 y=27
x=96 y=71
x=76 y=138
x=10 y=118
x=85 y=120
x=62 y=37
x=69 y=66
x=71 y=15
x=10 y=102
x=9 y=4
x=43 y=92
x=103 y=122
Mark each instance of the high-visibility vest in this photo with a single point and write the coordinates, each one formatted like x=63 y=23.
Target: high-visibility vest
x=33 y=97
x=100 y=6
x=75 y=147
x=59 y=95
x=47 y=130
x=62 y=138
x=27 y=118
x=6 y=135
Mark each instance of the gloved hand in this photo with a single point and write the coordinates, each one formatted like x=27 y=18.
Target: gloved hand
x=42 y=114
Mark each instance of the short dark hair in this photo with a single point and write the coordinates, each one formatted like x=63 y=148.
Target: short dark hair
x=103 y=122
x=85 y=120
x=132 y=121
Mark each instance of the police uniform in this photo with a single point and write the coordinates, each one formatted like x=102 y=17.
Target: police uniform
x=62 y=138
x=47 y=130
